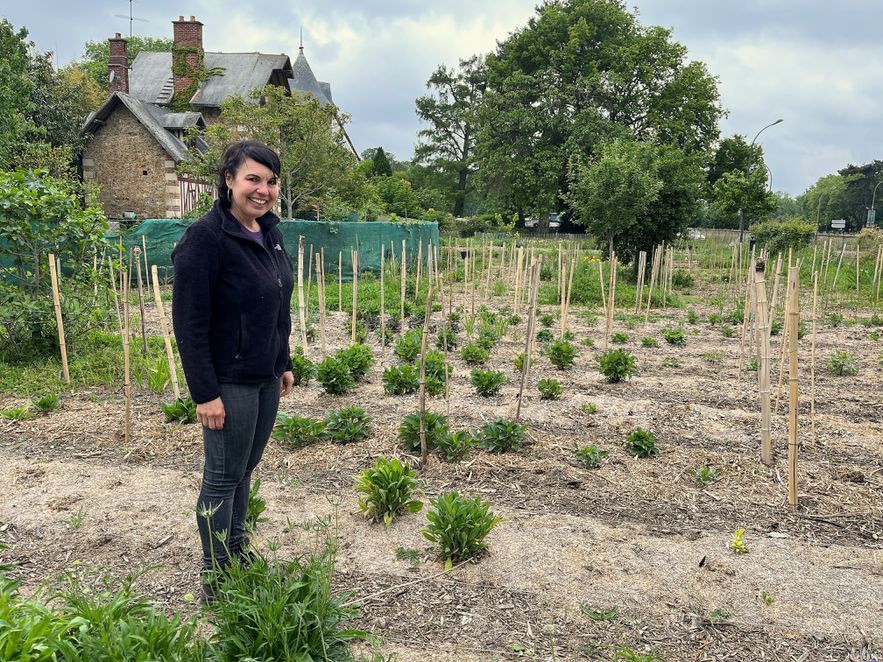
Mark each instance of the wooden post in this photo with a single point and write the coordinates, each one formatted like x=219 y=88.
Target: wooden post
x=382 y=299
x=300 y=292
x=601 y=283
x=563 y=294
x=402 y=303
x=127 y=384
x=654 y=273
x=775 y=293
x=424 y=451
x=826 y=263
x=761 y=313
x=528 y=340
x=113 y=286
x=611 y=299
x=879 y=273
x=320 y=291
x=56 y=302
x=793 y=314
x=164 y=327
x=137 y=252
x=746 y=316
x=355 y=292
x=812 y=359
x=144 y=248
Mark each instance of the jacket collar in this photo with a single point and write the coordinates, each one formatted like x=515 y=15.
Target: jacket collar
x=229 y=223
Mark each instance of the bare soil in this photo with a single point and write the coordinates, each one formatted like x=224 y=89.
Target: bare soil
x=637 y=535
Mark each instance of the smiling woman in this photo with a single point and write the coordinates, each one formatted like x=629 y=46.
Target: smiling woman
x=232 y=294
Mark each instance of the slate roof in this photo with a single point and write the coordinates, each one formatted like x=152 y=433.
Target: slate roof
x=151 y=76
x=156 y=120
x=304 y=80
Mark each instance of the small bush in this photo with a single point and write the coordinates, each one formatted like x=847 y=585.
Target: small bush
x=715 y=318
x=297 y=431
x=727 y=331
x=617 y=365
x=547 y=320
x=459 y=526
x=409 y=345
x=776 y=327
x=647 y=341
x=682 y=280
x=447 y=335
x=474 y=354
x=455 y=446
x=674 y=337
x=518 y=363
x=843 y=364
x=550 y=389
x=180 y=411
x=619 y=338
x=545 y=335
x=436 y=426
x=641 y=443
x=301 y=367
x=401 y=380
x=692 y=317
x=561 y=353
x=358 y=358
x=487 y=338
x=348 y=425
x=334 y=375
x=487 y=382
x=590 y=456
x=777 y=236
x=502 y=436
x=437 y=372
x=388 y=487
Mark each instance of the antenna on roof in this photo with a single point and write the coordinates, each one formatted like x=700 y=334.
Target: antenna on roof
x=131 y=18
x=301 y=40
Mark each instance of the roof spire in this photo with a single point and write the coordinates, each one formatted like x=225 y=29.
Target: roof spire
x=301 y=40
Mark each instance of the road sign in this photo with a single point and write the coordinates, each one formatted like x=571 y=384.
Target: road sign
x=838 y=223
x=872 y=215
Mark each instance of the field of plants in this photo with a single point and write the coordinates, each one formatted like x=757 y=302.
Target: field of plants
x=579 y=479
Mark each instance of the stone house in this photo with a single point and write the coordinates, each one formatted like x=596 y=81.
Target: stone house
x=138 y=137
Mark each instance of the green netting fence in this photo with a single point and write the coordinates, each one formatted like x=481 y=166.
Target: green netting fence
x=335 y=239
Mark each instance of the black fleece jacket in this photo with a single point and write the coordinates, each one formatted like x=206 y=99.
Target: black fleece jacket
x=231 y=303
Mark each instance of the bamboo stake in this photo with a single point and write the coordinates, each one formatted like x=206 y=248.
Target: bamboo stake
x=763 y=364
x=355 y=292
x=839 y=264
x=562 y=276
x=827 y=263
x=56 y=302
x=309 y=282
x=642 y=266
x=320 y=292
x=419 y=264
x=382 y=300
x=473 y=257
x=529 y=336
x=402 y=303
x=611 y=300
x=793 y=314
x=654 y=274
x=137 y=252
x=857 y=267
x=746 y=315
x=163 y=325
x=300 y=292
x=127 y=384
x=517 y=302
x=424 y=451
x=144 y=248
x=812 y=359
x=567 y=298
x=113 y=285
x=601 y=282
x=879 y=273
x=340 y=281
x=775 y=294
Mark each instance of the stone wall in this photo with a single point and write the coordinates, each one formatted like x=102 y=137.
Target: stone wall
x=135 y=174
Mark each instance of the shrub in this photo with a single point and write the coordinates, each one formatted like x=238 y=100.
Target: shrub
x=550 y=389
x=547 y=320
x=301 y=367
x=447 y=335
x=459 y=526
x=401 y=380
x=436 y=426
x=843 y=364
x=455 y=446
x=682 y=280
x=334 y=375
x=561 y=353
x=590 y=456
x=409 y=345
x=674 y=337
x=348 y=425
x=474 y=354
x=388 y=487
x=641 y=443
x=436 y=373
x=181 y=411
x=487 y=382
x=297 y=431
x=649 y=342
x=502 y=435
x=358 y=358
x=617 y=365
x=545 y=335
x=487 y=338
x=777 y=236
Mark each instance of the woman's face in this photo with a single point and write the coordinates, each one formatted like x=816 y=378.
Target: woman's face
x=253 y=190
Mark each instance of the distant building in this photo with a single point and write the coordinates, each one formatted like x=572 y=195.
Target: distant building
x=138 y=135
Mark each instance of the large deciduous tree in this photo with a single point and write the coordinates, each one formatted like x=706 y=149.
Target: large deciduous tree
x=446 y=145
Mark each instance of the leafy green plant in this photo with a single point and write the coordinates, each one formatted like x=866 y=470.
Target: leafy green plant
x=648 y=341
x=358 y=358
x=518 y=363
x=436 y=428
x=487 y=382
x=674 y=337
x=348 y=425
x=256 y=507
x=727 y=331
x=401 y=380
x=692 y=317
x=834 y=319
x=713 y=357
x=301 y=367
x=502 y=435
x=545 y=335
x=409 y=554
x=775 y=327
x=617 y=365
x=588 y=408
x=671 y=362
x=874 y=335
x=704 y=475
x=46 y=403
x=629 y=655
x=751 y=365
x=334 y=375
x=737 y=542
x=459 y=526
x=719 y=615
x=561 y=353
x=297 y=431
x=590 y=456
x=487 y=337
x=599 y=615
x=547 y=320
x=181 y=411
x=437 y=372
x=619 y=338
x=715 y=318
x=22 y=413
x=455 y=446
x=550 y=389
x=641 y=443
x=843 y=364
x=158 y=375
x=77 y=519
x=388 y=488
x=767 y=599
x=587 y=342
x=409 y=345
x=447 y=335
x=474 y=354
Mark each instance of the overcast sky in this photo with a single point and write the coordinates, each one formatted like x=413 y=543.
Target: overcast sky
x=814 y=63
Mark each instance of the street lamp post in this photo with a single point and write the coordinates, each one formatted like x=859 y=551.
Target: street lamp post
x=872 y=214
x=748 y=171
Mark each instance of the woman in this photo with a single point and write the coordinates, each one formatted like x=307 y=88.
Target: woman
x=231 y=312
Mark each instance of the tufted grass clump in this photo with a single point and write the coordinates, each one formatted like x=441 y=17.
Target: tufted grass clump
x=388 y=488
x=436 y=426
x=297 y=431
x=843 y=364
x=562 y=354
x=348 y=425
x=502 y=435
x=550 y=389
x=334 y=375
x=487 y=382
x=301 y=367
x=459 y=526
x=641 y=443
x=617 y=365
x=401 y=379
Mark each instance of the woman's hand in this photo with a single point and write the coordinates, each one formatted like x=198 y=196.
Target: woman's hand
x=211 y=414
x=286 y=383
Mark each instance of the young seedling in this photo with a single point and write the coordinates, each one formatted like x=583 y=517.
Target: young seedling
x=550 y=389
x=617 y=365
x=737 y=543
x=641 y=443
x=459 y=526
x=590 y=456
x=388 y=488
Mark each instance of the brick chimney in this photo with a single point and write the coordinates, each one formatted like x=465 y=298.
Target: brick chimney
x=118 y=65
x=187 y=52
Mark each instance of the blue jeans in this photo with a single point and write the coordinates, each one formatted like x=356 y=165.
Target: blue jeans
x=231 y=454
